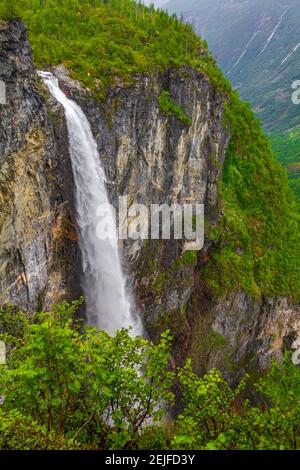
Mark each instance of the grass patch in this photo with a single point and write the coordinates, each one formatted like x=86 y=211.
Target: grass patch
x=169 y=108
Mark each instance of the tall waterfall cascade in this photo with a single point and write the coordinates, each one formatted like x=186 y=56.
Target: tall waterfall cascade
x=108 y=303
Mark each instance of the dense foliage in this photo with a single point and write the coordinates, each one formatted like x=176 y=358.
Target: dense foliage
x=69 y=386
x=258 y=244
x=286 y=146
x=102 y=39
x=76 y=382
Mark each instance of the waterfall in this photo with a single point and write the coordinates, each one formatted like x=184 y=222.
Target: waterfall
x=108 y=304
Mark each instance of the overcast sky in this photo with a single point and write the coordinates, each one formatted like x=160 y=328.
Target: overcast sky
x=157 y=3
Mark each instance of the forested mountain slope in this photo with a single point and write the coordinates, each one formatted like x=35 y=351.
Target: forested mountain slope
x=257 y=44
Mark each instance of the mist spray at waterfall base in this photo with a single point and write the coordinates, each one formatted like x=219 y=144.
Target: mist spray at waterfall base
x=108 y=304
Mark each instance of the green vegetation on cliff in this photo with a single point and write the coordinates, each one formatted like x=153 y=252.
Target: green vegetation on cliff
x=100 y=40
x=259 y=237
x=286 y=147
x=69 y=386
x=169 y=108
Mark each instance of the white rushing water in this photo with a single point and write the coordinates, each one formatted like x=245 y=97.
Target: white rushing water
x=107 y=302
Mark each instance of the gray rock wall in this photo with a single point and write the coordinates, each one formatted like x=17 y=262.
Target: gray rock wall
x=36 y=209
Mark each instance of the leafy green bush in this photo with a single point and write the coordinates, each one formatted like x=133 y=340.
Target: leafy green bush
x=18 y=432
x=69 y=386
x=217 y=417
x=84 y=384
x=209 y=401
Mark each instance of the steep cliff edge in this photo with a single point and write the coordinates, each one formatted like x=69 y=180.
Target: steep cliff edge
x=37 y=235
x=220 y=304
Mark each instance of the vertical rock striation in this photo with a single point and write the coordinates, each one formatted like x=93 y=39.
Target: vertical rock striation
x=37 y=236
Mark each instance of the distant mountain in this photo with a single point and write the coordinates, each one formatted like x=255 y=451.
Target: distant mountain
x=257 y=44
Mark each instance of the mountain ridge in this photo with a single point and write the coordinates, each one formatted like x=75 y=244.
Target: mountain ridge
x=257 y=44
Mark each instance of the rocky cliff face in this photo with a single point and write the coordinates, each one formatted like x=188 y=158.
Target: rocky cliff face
x=37 y=239
x=151 y=158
